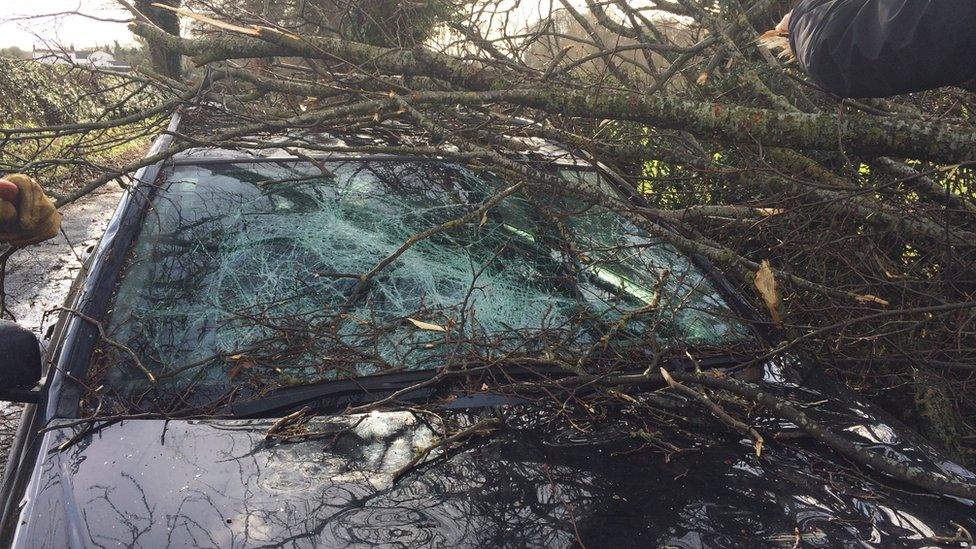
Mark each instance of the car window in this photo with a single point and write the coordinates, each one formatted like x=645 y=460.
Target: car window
x=245 y=278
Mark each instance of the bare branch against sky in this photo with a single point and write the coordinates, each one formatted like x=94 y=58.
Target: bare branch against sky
x=64 y=22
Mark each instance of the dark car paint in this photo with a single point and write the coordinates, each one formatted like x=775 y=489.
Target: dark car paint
x=62 y=506
x=72 y=338
x=220 y=483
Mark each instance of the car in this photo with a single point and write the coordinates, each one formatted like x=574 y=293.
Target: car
x=262 y=353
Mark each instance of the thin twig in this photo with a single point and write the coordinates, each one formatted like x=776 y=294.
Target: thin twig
x=104 y=335
x=481 y=427
x=713 y=407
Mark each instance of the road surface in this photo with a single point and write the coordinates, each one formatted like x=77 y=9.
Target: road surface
x=39 y=277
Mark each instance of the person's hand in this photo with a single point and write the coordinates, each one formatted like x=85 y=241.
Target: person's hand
x=784 y=24
x=778 y=38
x=27 y=215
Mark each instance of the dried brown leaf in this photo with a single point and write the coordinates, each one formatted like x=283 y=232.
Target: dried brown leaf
x=766 y=285
x=427 y=325
x=239 y=367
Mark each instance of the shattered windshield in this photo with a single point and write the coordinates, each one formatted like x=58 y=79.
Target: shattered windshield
x=250 y=277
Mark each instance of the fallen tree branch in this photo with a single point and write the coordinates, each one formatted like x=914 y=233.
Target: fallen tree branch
x=118 y=345
x=906 y=473
x=735 y=424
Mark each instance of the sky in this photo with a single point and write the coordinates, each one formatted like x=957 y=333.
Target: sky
x=23 y=22
x=64 y=29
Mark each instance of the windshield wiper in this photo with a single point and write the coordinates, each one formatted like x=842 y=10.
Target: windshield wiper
x=362 y=390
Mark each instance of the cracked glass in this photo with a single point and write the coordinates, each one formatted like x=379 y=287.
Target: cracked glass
x=247 y=277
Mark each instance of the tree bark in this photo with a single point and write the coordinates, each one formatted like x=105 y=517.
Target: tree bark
x=166 y=61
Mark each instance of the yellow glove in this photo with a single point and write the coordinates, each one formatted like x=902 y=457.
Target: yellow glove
x=27 y=215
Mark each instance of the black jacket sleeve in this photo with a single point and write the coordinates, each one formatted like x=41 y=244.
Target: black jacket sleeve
x=876 y=48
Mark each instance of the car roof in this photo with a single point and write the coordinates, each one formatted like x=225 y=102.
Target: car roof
x=295 y=143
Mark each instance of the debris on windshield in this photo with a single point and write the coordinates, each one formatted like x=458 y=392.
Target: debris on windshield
x=766 y=284
x=427 y=325
x=228 y=294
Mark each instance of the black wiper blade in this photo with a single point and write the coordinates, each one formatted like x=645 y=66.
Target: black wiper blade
x=362 y=388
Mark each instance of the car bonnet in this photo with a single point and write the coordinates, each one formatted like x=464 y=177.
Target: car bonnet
x=532 y=483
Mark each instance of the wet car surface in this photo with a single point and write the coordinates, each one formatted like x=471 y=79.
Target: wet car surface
x=531 y=483
x=536 y=480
